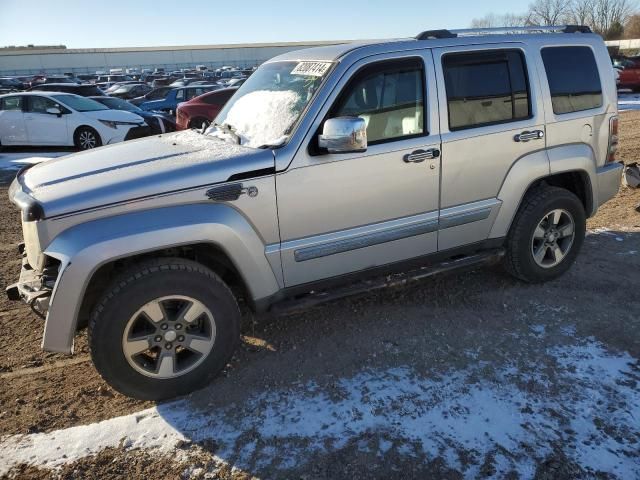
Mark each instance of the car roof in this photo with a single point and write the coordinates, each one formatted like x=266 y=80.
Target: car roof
x=440 y=38
x=41 y=93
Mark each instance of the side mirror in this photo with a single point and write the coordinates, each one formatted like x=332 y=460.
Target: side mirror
x=54 y=111
x=344 y=135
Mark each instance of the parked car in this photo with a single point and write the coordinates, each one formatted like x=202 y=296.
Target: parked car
x=200 y=111
x=57 y=79
x=157 y=122
x=155 y=94
x=52 y=119
x=176 y=95
x=313 y=181
x=9 y=84
x=629 y=76
x=86 y=90
x=130 y=90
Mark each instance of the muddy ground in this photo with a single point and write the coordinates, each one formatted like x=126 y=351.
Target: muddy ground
x=445 y=334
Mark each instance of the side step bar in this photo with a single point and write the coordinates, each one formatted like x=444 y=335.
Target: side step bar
x=311 y=299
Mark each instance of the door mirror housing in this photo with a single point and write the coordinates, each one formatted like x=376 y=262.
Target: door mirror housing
x=54 y=111
x=344 y=135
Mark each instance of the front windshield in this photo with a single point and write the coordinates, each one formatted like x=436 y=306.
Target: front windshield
x=118 y=104
x=80 y=104
x=268 y=105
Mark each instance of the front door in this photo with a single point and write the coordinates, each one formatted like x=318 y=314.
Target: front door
x=45 y=128
x=343 y=213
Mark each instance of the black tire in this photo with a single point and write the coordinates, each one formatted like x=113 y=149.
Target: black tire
x=143 y=283
x=198 y=123
x=86 y=138
x=519 y=259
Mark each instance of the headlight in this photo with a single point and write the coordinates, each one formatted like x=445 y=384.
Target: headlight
x=113 y=124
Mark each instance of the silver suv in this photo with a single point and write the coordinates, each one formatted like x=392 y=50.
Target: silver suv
x=327 y=166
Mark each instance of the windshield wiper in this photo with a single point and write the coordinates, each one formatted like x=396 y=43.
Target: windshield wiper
x=230 y=129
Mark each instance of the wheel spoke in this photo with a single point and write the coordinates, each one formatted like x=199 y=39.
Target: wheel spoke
x=192 y=311
x=557 y=253
x=198 y=344
x=154 y=311
x=136 y=346
x=539 y=232
x=166 y=364
x=566 y=230
x=540 y=253
x=555 y=217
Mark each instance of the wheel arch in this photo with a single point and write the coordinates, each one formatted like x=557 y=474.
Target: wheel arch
x=571 y=167
x=215 y=235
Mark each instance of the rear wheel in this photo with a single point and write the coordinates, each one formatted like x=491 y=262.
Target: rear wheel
x=546 y=235
x=86 y=138
x=164 y=329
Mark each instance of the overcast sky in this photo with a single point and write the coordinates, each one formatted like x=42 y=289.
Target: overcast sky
x=129 y=23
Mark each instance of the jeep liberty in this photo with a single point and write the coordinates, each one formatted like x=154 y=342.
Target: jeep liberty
x=381 y=160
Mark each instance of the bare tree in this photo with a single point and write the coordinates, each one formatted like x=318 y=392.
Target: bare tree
x=549 y=12
x=579 y=12
x=606 y=15
x=632 y=27
x=493 y=20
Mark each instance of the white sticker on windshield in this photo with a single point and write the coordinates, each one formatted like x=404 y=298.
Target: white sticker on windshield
x=313 y=69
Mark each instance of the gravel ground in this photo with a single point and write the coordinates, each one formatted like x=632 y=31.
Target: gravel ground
x=460 y=376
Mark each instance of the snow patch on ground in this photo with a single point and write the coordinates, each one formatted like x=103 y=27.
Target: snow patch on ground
x=588 y=404
x=628 y=101
x=16 y=160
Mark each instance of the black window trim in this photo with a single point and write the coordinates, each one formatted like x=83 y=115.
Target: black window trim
x=595 y=62
x=489 y=54
x=383 y=65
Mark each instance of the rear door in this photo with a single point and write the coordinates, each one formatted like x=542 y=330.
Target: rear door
x=12 y=128
x=490 y=117
x=45 y=128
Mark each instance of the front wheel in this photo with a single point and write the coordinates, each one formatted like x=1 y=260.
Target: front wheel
x=86 y=138
x=164 y=329
x=546 y=235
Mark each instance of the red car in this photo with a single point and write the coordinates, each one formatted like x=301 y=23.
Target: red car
x=200 y=111
x=630 y=75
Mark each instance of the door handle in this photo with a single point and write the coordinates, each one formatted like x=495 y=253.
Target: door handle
x=421 y=155
x=529 y=135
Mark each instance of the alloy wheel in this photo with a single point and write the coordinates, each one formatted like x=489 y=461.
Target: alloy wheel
x=553 y=238
x=169 y=336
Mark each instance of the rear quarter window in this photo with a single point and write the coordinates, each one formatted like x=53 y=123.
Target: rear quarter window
x=573 y=78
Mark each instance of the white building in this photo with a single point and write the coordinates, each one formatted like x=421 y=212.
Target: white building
x=52 y=60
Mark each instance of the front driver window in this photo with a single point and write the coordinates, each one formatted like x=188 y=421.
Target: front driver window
x=40 y=104
x=389 y=96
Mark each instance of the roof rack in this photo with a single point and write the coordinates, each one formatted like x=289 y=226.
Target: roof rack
x=438 y=34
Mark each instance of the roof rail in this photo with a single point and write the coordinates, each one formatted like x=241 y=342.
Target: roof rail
x=437 y=34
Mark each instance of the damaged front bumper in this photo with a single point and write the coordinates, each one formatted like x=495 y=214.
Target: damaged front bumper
x=34 y=288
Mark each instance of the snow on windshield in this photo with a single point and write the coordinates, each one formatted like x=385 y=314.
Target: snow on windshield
x=261 y=117
x=268 y=105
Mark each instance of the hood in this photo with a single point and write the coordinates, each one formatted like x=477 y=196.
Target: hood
x=138 y=169
x=114 y=115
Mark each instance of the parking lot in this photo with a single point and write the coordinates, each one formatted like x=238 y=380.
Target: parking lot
x=460 y=376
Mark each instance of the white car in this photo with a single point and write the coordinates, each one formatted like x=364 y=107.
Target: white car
x=64 y=119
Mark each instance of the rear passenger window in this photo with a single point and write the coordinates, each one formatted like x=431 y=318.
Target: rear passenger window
x=11 y=103
x=389 y=96
x=573 y=78
x=485 y=88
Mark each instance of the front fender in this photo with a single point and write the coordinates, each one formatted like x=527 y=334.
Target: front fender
x=86 y=247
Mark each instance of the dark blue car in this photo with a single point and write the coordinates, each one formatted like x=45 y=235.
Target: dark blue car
x=175 y=96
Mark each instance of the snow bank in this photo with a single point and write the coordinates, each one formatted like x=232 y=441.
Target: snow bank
x=587 y=403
